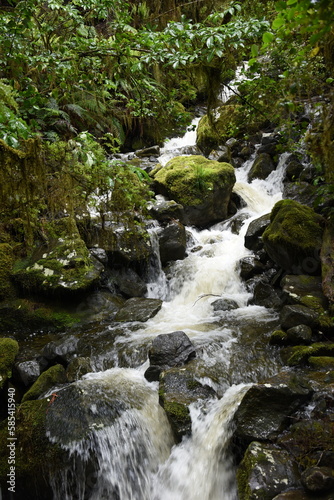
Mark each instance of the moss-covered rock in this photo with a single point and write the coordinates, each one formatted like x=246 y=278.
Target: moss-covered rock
x=215 y=130
x=299 y=355
x=265 y=471
x=61 y=267
x=48 y=379
x=9 y=349
x=203 y=187
x=36 y=458
x=22 y=315
x=294 y=236
x=325 y=362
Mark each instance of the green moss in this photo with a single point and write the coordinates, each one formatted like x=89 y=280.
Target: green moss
x=190 y=178
x=326 y=362
x=36 y=457
x=278 y=337
x=6 y=264
x=48 y=379
x=9 y=349
x=177 y=411
x=296 y=225
x=301 y=354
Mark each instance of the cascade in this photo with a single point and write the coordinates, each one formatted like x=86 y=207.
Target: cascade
x=135 y=455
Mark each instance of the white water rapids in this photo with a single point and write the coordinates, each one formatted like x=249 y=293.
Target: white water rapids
x=136 y=457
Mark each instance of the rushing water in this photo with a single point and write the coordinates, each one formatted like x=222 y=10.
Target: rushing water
x=136 y=457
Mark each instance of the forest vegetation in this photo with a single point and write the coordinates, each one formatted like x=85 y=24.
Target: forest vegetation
x=80 y=80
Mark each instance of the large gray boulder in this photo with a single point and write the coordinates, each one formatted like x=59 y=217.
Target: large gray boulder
x=172 y=242
x=138 y=309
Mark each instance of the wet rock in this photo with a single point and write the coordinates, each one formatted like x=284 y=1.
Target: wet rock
x=265 y=471
x=172 y=242
x=178 y=388
x=138 y=309
x=123 y=245
x=166 y=210
x=9 y=349
x=304 y=290
x=28 y=371
x=255 y=231
x=61 y=350
x=52 y=377
x=250 y=266
x=99 y=306
x=321 y=362
x=264 y=410
x=222 y=154
x=169 y=350
x=293 y=238
x=224 y=305
x=77 y=368
x=100 y=254
x=293 y=168
x=297 y=315
x=302 y=192
x=266 y=295
x=270 y=148
x=151 y=151
x=300 y=334
x=129 y=282
x=310 y=442
x=262 y=167
x=293 y=495
x=318 y=479
x=203 y=187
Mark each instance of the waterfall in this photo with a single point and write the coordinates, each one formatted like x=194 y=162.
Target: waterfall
x=134 y=457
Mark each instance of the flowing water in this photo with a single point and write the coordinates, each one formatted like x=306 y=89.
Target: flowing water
x=136 y=456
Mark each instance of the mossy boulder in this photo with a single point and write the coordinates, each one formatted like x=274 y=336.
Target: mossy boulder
x=203 y=187
x=50 y=378
x=9 y=349
x=293 y=238
x=36 y=458
x=215 y=130
x=265 y=471
x=62 y=266
x=327 y=261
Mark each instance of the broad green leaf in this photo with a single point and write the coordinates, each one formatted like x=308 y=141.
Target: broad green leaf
x=254 y=50
x=267 y=37
x=278 y=22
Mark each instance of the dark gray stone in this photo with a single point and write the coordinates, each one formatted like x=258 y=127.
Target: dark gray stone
x=172 y=242
x=61 y=350
x=152 y=150
x=250 y=266
x=303 y=192
x=264 y=410
x=166 y=210
x=297 y=315
x=318 y=479
x=28 y=371
x=224 y=305
x=266 y=295
x=255 y=231
x=129 y=282
x=138 y=309
x=262 y=167
x=300 y=334
x=169 y=350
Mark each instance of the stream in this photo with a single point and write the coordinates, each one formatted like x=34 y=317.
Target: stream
x=137 y=457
